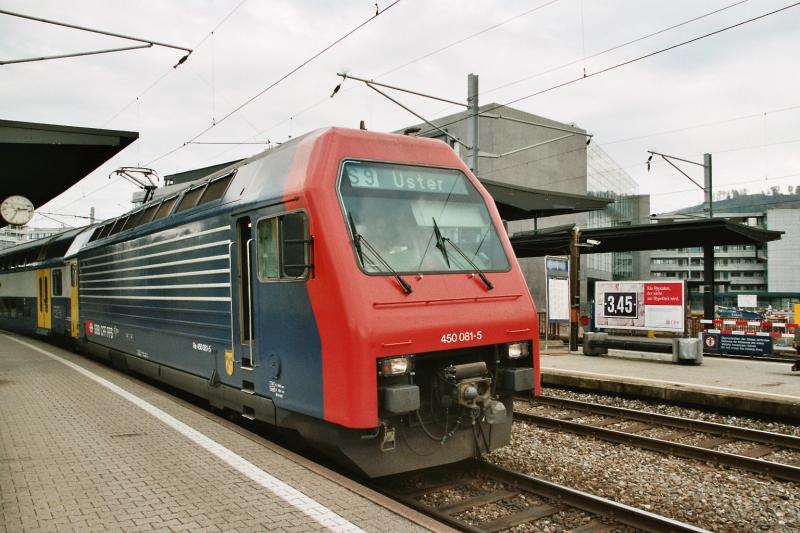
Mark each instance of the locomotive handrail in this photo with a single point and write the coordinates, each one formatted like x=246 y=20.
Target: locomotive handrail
x=230 y=287
x=250 y=304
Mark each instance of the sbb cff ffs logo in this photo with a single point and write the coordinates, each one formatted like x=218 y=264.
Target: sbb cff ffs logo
x=620 y=305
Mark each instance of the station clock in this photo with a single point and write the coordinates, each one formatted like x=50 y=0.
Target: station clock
x=16 y=210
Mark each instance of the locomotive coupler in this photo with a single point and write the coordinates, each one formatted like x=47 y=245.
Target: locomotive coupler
x=470 y=386
x=467 y=385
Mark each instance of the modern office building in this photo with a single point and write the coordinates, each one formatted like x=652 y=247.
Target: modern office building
x=13 y=235
x=606 y=179
x=770 y=274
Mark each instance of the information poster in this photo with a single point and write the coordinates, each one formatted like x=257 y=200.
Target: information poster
x=557 y=270
x=640 y=305
x=737 y=344
x=558 y=299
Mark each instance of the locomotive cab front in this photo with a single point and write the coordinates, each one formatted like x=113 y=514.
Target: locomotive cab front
x=443 y=312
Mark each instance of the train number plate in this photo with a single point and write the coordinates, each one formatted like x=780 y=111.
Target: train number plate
x=461 y=336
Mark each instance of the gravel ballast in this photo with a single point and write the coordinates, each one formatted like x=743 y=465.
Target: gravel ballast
x=708 y=496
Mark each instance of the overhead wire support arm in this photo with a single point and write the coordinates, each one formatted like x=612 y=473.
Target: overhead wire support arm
x=676 y=158
x=149 y=42
x=345 y=76
x=425 y=120
x=676 y=167
x=539 y=124
x=77 y=54
x=511 y=152
x=668 y=159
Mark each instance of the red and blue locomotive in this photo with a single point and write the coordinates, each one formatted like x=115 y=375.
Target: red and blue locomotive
x=356 y=287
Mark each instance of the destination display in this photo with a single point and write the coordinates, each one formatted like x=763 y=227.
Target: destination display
x=640 y=305
x=407 y=179
x=737 y=344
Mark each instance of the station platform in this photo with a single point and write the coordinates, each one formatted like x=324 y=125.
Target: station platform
x=750 y=386
x=84 y=447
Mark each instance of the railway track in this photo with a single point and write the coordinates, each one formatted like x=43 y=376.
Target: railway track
x=753 y=446
x=479 y=497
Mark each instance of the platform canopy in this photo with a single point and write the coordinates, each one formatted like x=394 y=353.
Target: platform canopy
x=40 y=161
x=523 y=203
x=692 y=233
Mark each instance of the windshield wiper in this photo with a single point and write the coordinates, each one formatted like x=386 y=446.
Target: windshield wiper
x=359 y=239
x=458 y=249
x=356 y=238
x=440 y=242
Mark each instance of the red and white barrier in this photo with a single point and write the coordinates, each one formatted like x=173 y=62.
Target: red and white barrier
x=730 y=322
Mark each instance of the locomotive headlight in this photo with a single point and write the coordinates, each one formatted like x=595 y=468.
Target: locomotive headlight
x=394 y=366
x=519 y=349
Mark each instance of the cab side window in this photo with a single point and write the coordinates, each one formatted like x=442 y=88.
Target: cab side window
x=284 y=248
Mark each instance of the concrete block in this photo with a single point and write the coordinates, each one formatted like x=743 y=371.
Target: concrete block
x=688 y=351
x=592 y=343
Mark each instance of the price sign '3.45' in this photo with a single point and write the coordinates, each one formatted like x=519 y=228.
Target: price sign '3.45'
x=620 y=305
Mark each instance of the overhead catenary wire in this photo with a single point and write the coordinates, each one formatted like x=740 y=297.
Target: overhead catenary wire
x=703 y=125
x=166 y=73
x=408 y=63
x=277 y=81
x=614 y=48
x=489 y=28
x=466 y=38
x=148 y=89
x=207 y=36
x=623 y=63
x=789 y=6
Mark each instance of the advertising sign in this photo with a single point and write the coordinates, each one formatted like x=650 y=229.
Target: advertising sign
x=737 y=344
x=557 y=269
x=640 y=305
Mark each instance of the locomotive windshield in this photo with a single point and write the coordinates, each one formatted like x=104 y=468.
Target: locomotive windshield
x=418 y=219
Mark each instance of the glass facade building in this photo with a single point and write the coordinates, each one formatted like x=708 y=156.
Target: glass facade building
x=606 y=179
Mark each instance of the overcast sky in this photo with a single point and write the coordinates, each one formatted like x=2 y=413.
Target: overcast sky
x=734 y=94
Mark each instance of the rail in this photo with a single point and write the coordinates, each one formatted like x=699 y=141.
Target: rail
x=564 y=414
x=485 y=484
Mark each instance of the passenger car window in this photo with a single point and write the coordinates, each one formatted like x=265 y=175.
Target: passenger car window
x=57 y=282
